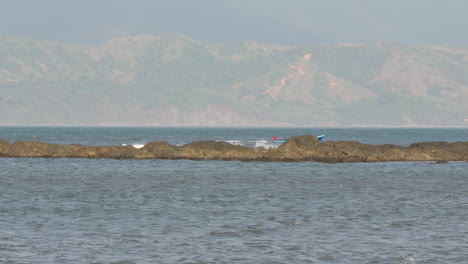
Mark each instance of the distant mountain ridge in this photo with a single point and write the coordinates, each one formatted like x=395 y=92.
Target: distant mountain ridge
x=174 y=80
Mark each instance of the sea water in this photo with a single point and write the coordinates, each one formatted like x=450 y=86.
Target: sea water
x=181 y=211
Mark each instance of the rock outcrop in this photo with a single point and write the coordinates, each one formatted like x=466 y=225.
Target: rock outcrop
x=299 y=148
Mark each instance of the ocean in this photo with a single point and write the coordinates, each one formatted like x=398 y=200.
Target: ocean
x=182 y=211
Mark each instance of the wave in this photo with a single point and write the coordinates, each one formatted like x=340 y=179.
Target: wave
x=248 y=143
x=254 y=143
x=236 y=142
x=135 y=145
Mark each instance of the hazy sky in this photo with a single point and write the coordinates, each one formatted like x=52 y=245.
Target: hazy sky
x=291 y=22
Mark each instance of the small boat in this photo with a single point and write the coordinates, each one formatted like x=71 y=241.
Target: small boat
x=279 y=141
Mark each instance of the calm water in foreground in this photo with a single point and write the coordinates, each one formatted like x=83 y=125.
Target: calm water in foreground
x=180 y=211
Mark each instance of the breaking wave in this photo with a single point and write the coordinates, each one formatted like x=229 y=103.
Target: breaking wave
x=136 y=145
x=248 y=143
x=254 y=143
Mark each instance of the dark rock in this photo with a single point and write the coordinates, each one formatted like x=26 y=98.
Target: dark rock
x=3 y=147
x=159 y=149
x=306 y=142
x=218 y=151
x=300 y=148
x=30 y=149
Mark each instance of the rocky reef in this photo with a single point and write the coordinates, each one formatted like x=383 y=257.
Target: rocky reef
x=299 y=148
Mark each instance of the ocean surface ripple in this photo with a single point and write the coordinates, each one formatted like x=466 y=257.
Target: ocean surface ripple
x=181 y=211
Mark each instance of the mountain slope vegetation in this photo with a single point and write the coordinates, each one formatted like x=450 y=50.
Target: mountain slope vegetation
x=177 y=81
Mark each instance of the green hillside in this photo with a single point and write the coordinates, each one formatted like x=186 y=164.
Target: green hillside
x=175 y=80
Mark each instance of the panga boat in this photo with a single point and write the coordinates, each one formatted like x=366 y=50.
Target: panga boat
x=279 y=141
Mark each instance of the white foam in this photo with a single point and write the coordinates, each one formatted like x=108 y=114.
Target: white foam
x=235 y=142
x=253 y=143
x=265 y=144
x=135 y=145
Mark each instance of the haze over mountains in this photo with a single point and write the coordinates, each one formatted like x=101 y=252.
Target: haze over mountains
x=174 y=80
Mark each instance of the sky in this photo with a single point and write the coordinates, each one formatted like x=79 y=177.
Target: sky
x=284 y=22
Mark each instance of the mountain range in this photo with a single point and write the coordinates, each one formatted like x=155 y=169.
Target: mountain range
x=174 y=80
